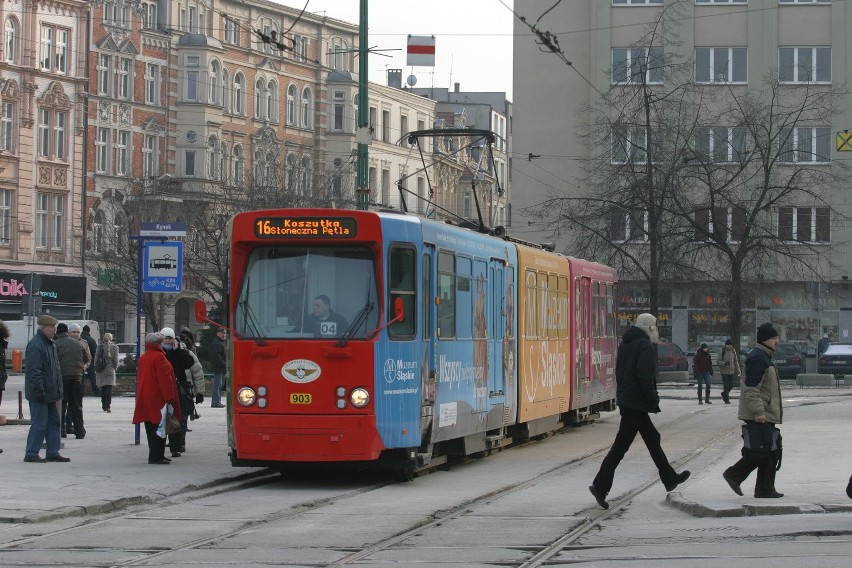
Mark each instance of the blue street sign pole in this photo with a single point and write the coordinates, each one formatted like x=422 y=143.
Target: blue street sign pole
x=159 y=232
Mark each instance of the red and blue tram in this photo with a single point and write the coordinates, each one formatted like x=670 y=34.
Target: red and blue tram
x=384 y=337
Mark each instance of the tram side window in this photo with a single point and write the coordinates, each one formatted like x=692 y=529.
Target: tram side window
x=464 y=298
x=612 y=319
x=446 y=295
x=530 y=306
x=402 y=284
x=563 y=316
x=426 y=275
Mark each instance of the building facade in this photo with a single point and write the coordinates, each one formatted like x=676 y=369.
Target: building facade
x=42 y=138
x=730 y=47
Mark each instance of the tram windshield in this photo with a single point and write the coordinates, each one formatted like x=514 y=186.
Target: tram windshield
x=308 y=292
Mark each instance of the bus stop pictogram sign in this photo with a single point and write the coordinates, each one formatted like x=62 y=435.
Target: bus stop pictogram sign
x=162 y=267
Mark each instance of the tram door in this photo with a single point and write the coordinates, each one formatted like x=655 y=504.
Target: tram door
x=427 y=368
x=583 y=331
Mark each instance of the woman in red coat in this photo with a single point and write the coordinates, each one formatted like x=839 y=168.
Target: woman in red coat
x=155 y=386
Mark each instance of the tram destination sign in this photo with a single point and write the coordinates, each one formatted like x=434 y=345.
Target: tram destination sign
x=305 y=227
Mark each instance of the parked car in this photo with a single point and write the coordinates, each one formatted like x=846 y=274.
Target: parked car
x=836 y=360
x=789 y=360
x=125 y=349
x=670 y=357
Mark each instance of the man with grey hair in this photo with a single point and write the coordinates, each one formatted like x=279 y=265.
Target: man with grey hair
x=636 y=393
x=43 y=389
x=73 y=355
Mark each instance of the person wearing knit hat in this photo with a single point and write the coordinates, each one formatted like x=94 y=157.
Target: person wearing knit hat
x=42 y=388
x=728 y=362
x=637 y=396
x=761 y=410
x=702 y=368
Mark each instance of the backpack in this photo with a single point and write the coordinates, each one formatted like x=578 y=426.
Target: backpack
x=100 y=359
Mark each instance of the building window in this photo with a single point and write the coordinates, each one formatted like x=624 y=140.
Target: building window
x=192 y=79
x=259 y=95
x=272 y=101
x=149 y=15
x=239 y=94
x=189 y=163
x=804 y=64
x=721 y=65
x=10 y=43
x=307 y=176
x=212 y=158
x=722 y=1
x=728 y=223
x=637 y=65
x=5 y=217
x=232 y=31
x=720 y=144
x=98 y=232
x=636 y=2
x=214 y=82
x=102 y=151
x=307 y=108
x=805 y=145
x=50 y=221
x=292 y=174
x=52 y=147
x=628 y=225
x=804 y=224
x=339 y=109
x=152 y=84
x=193 y=19
x=628 y=144
x=291 y=105
x=7 y=128
x=238 y=165
x=805 y=1
x=403 y=129
x=122 y=153
x=125 y=78
x=149 y=156
x=386 y=126
x=104 y=74
x=54 y=49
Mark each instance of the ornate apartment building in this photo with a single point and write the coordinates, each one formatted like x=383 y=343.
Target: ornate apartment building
x=42 y=138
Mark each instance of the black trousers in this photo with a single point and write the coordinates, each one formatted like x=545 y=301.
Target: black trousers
x=764 y=463
x=156 y=445
x=633 y=422
x=106 y=397
x=72 y=404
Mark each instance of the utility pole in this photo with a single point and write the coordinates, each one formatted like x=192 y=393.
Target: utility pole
x=363 y=134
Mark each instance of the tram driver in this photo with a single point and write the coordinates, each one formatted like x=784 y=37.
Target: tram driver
x=325 y=322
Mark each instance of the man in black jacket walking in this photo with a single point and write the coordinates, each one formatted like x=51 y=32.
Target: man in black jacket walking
x=636 y=393
x=90 y=370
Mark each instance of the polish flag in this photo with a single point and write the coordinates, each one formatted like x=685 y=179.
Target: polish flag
x=421 y=51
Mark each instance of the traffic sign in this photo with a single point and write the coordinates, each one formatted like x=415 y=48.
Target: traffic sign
x=162 y=267
x=161 y=229
x=844 y=141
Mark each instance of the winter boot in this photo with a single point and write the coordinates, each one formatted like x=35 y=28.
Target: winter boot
x=707 y=398
x=699 y=398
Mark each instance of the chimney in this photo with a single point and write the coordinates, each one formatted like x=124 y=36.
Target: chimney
x=457 y=86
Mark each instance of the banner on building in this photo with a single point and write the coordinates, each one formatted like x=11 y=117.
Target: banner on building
x=421 y=51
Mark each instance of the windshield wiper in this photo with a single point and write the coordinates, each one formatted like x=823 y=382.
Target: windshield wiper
x=248 y=313
x=356 y=323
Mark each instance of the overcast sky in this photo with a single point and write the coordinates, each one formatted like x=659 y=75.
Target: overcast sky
x=473 y=39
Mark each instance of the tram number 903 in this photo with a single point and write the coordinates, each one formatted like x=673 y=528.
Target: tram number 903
x=300 y=398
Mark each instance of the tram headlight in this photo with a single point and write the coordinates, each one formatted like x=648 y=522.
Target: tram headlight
x=359 y=397
x=246 y=396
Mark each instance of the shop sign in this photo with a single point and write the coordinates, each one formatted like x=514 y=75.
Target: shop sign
x=54 y=289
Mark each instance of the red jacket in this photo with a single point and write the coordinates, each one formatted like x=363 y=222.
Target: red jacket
x=155 y=385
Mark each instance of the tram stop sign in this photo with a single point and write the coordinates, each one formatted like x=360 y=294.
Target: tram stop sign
x=162 y=267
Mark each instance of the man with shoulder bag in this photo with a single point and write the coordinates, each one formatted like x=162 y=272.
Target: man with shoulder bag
x=760 y=409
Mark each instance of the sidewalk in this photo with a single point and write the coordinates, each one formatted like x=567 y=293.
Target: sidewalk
x=815 y=467
x=108 y=472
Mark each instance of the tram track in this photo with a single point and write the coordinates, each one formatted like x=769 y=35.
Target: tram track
x=541 y=556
